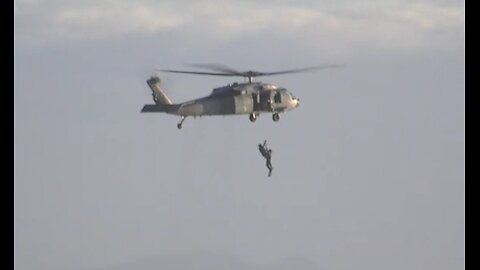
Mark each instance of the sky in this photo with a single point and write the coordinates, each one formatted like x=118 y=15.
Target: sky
x=369 y=171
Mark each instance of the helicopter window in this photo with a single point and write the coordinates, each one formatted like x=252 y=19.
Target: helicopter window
x=278 y=97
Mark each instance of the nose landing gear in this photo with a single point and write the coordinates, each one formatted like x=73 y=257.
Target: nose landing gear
x=276 y=117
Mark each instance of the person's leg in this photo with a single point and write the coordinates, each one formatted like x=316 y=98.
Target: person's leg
x=269 y=166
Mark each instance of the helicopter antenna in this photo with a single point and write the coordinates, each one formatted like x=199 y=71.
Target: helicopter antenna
x=222 y=70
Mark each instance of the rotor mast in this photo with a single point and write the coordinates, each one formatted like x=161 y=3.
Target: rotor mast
x=250 y=76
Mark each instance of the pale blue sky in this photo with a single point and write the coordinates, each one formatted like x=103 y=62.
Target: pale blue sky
x=369 y=170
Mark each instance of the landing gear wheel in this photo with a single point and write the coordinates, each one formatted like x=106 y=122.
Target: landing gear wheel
x=179 y=125
x=253 y=117
x=276 y=117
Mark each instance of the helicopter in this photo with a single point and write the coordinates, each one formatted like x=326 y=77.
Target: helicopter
x=250 y=98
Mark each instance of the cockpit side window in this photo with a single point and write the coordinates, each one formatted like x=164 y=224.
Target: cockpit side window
x=278 y=97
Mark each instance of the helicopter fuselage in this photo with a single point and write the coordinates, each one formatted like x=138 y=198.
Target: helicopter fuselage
x=244 y=98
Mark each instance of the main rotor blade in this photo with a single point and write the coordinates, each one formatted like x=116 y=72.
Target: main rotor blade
x=226 y=71
x=298 y=70
x=198 y=73
x=218 y=67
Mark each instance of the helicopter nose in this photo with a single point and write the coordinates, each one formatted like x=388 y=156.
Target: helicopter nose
x=297 y=102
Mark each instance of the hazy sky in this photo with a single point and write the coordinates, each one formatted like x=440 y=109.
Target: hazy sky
x=368 y=171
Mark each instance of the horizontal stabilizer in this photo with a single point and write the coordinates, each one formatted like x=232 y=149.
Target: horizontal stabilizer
x=155 y=108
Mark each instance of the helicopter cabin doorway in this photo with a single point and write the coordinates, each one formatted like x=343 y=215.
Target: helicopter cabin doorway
x=257 y=102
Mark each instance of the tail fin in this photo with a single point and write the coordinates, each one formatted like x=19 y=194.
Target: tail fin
x=159 y=96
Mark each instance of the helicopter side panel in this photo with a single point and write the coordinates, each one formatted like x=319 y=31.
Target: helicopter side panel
x=240 y=104
x=243 y=104
x=208 y=106
x=219 y=106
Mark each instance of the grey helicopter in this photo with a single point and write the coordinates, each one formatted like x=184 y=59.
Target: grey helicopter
x=251 y=97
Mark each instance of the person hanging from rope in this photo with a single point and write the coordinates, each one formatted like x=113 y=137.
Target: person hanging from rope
x=267 y=154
